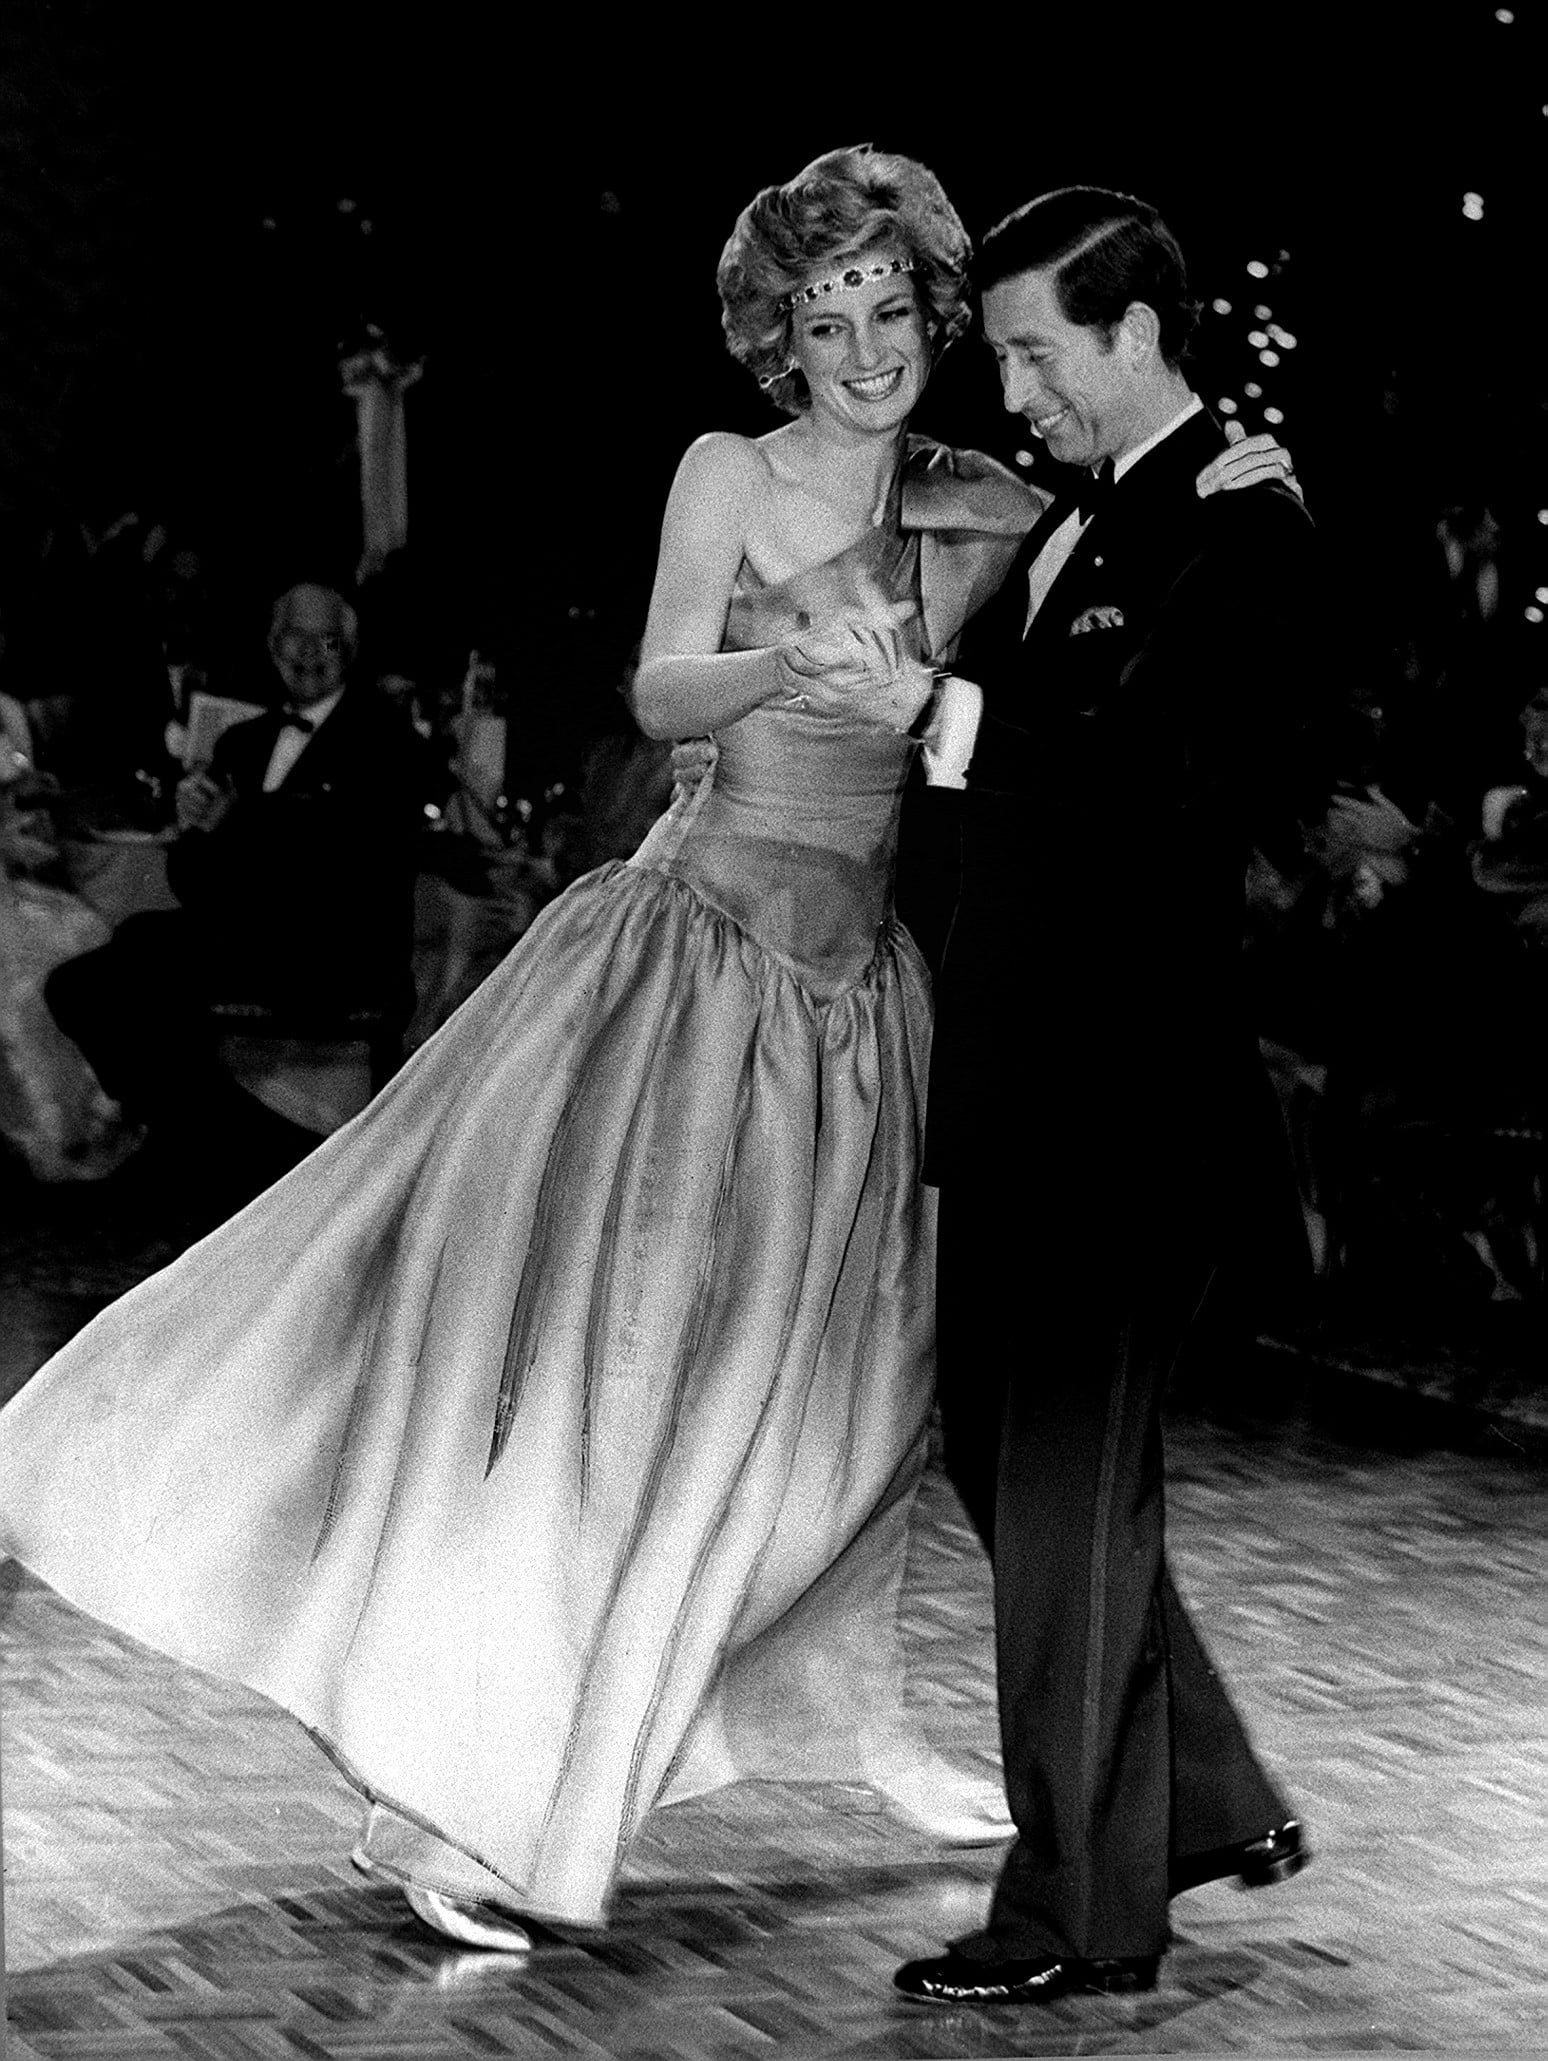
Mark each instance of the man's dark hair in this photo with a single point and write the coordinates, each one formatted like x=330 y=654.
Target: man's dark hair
x=1105 y=250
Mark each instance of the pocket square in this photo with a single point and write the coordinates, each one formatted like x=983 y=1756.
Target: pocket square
x=1097 y=619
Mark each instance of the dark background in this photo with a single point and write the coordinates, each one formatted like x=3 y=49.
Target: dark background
x=199 y=207
x=203 y=208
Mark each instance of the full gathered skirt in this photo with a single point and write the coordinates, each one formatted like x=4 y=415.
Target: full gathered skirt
x=545 y=1440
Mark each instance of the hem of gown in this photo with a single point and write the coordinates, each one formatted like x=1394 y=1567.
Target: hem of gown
x=519 y=1899
x=250 y=1680
x=518 y=1903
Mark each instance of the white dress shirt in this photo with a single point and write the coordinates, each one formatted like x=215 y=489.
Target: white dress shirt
x=293 y=740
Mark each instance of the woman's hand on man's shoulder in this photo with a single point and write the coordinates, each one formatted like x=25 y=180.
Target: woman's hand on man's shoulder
x=1248 y=462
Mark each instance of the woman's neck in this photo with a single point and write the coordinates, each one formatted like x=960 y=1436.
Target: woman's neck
x=852 y=471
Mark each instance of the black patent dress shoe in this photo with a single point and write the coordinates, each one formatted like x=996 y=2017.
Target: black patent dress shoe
x=1255 y=1863
x=951 y=1978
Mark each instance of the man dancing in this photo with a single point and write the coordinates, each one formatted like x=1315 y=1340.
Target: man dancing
x=1100 y=1129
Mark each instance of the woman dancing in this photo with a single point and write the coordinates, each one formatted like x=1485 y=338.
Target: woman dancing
x=545 y=1441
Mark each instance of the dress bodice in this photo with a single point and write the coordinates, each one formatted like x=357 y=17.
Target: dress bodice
x=794 y=836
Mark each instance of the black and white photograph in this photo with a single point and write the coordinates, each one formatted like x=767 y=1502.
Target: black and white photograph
x=773 y=1033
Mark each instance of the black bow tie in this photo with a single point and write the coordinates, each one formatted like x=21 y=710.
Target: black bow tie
x=294 y=719
x=1090 y=493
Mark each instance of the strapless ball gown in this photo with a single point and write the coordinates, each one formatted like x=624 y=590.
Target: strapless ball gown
x=545 y=1441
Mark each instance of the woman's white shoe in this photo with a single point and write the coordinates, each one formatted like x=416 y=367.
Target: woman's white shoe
x=479 y=1925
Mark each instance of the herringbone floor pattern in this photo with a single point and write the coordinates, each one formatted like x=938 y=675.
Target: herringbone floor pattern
x=178 y=1881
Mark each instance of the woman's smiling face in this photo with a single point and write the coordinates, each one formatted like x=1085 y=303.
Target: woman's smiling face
x=863 y=349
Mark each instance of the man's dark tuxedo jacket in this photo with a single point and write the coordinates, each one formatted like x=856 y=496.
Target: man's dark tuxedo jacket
x=1093 y=1054
x=305 y=896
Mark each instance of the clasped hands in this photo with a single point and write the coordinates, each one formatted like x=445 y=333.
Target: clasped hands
x=858 y=666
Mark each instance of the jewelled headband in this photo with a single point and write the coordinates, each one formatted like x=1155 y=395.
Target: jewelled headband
x=852 y=275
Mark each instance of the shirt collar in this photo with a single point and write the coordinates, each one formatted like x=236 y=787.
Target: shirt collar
x=1130 y=458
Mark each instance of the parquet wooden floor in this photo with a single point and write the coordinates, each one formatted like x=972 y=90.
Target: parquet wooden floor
x=178 y=1881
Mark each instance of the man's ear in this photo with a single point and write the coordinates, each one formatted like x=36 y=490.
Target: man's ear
x=1139 y=335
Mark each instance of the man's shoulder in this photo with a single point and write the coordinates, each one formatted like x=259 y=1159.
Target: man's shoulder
x=1149 y=536
x=1245 y=523
x=375 y=716
x=1162 y=493
x=1171 y=523
x=1268 y=503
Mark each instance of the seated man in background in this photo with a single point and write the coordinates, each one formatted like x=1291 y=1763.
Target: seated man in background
x=294 y=865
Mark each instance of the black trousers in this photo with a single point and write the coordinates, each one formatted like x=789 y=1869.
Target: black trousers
x=1122 y=1747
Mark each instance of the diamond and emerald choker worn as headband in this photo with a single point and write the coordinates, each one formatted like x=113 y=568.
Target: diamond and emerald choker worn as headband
x=852 y=275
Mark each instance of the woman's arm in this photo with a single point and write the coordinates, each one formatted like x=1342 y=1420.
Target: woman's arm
x=853 y=666
x=686 y=685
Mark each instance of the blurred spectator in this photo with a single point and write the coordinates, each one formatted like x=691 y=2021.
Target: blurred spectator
x=625 y=783
x=294 y=867
x=54 y=1114
x=1511 y=859
x=1314 y=942
x=1403 y=1016
x=1460 y=657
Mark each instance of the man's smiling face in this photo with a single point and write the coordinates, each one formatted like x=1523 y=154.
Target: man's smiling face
x=1076 y=388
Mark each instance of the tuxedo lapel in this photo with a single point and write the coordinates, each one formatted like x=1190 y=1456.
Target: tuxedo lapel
x=247 y=749
x=335 y=744
x=993 y=637
x=1132 y=541
x=1053 y=517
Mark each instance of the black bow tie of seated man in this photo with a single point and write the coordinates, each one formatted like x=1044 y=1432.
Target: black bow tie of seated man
x=293 y=718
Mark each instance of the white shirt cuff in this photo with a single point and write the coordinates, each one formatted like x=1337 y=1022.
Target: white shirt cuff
x=953 y=732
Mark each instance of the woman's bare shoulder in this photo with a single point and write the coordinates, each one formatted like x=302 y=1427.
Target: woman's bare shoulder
x=722 y=460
